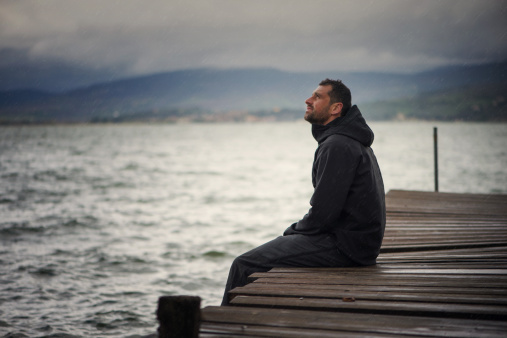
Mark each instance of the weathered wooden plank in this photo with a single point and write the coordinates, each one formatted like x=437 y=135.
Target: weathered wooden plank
x=338 y=276
x=355 y=322
x=452 y=255
x=445 y=234
x=386 y=288
x=384 y=269
x=448 y=236
x=414 y=195
x=418 y=257
x=387 y=282
x=422 y=218
x=421 y=308
x=440 y=242
x=445 y=203
x=425 y=247
x=389 y=267
x=440 y=257
x=428 y=297
x=241 y=330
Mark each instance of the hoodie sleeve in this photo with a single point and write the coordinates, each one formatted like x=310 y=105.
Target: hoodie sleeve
x=334 y=169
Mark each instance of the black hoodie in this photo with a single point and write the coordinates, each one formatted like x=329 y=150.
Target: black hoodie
x=349 y=198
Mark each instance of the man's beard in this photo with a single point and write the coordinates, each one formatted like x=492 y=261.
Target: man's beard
x=316 y=117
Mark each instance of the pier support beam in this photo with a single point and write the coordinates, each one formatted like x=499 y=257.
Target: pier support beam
x=435 y=155
x=179 y=316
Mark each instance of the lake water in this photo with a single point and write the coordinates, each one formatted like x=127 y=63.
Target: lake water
x=98 y=221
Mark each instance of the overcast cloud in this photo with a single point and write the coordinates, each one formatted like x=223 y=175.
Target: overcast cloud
x=160 y=35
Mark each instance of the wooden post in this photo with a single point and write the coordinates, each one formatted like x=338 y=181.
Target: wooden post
x=435 y=153
x=179 y=316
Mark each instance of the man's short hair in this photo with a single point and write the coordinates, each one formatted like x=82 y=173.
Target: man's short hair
x=338 y=93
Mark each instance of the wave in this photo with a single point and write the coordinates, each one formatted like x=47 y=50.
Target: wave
x=19 y=228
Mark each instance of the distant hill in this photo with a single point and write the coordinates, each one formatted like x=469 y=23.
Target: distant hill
x=468 y=103
x=263 y=91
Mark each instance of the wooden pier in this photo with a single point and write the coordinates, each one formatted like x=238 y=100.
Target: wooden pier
x=442 y=271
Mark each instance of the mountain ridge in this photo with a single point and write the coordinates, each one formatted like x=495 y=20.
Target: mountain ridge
x=219 y=90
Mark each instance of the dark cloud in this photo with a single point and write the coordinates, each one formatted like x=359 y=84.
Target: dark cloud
x=136 y=37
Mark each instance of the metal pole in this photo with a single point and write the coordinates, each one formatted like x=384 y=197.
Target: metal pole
x=435 y=151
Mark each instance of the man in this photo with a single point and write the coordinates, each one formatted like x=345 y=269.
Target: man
x=345 y=224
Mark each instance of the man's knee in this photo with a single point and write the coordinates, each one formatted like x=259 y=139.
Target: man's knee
x=250 y=261
x=236 y=263
x=242 y=261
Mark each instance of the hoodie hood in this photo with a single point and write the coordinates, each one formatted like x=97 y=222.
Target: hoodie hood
x=351 y=125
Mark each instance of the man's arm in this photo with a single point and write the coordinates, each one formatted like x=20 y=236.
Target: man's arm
x=336 y=165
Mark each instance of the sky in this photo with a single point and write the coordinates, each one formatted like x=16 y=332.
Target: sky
x=147 y=36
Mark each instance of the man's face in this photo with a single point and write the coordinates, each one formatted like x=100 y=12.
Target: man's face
x=318 y=107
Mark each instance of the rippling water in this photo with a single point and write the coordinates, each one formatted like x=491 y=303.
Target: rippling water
x=98 y=221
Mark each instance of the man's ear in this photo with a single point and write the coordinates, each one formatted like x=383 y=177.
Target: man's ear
x=336 y=109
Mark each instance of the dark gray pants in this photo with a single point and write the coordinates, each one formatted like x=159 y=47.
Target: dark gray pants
x=286 y=251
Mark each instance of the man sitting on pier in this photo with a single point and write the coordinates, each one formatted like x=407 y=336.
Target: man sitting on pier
x=345 y=224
